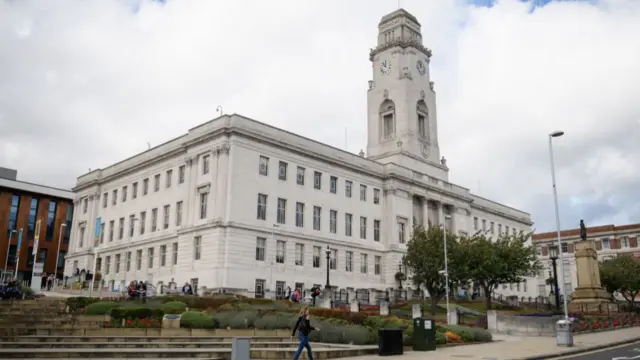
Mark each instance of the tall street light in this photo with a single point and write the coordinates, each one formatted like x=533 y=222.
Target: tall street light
x=55 y=271
x=6 y=260
x=553 y=255
x=556 y=134
x=327 y=287
x=446 y=263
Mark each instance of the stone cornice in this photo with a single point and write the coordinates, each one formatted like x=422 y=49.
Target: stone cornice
x=402 y=44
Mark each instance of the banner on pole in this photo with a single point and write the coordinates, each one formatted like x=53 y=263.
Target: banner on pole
x=97 y=233
x=19 y=242
x=36 y=238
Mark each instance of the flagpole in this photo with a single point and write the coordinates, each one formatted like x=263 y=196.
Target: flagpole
x=96 y=242
x=18 y=254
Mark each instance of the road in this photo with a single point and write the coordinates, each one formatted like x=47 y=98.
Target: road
x=624 y=352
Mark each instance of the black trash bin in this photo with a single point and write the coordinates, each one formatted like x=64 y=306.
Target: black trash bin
x=390 y=342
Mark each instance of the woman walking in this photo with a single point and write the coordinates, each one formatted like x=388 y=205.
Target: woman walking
x=303 y=326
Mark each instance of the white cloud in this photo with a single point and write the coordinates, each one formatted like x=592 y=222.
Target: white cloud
x=86 y=83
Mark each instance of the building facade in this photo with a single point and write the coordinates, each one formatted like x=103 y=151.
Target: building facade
x=22 y=205
x=611 y=241
x=239 y=204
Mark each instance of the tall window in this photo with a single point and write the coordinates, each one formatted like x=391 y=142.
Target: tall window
x=156 y=183
x=363 y=192
x=317 y=210
x=145 y=186
x=117 y=270
x=348 y=218
x=376 y=230
x=143 y=221
x=163 y=255
x=317 y=180
x=282 y=211
x=102 y=233
x=139 y=260
x=348 y=262
x=121 y=228
x=263 y=167
x=387 y=125
x=132 y=225
x=128 y=261
x=299 y=254
x=401 y=232
x=181 y=174
x=261 y=245
x=179 y=213
x=154 y=219
x=262 y=207
x=197 y=243
x=333 y=259
x=105 y=199
x=422 y=126
x=333 y=221
x=333 y=184
x=124 y=193
x=317 y=253
x=134 y=190
x=348 y=185
x=376 y=196
x=33 y=213
x=377 y=265
x=112 y=226
x=364 y=266
x=363 y=227
x=280 y=251
x=205 y=164
x=114 y=199
x=168 y=178
x=299 y=214
x=68 y=221
x=174 y=254
x=13 y=214
x=300 y=175
x=204 y=197
x=167 y=211
x=282 y=171
x=150 y=254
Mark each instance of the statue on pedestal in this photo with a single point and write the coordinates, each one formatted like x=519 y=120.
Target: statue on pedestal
x=583 y=230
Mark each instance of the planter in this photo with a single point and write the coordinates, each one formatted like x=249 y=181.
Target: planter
x=171 y=321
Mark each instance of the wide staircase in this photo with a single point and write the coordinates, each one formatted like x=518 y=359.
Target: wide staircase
x=42 y=329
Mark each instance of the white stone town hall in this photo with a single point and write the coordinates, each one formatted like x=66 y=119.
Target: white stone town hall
x=238 y=204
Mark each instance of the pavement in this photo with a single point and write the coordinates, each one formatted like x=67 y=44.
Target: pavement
x=535 y=348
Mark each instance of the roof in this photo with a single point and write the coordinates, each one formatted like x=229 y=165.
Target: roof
x=23 y=186
x=607 y=229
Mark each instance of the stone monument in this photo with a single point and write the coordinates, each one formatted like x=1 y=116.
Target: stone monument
x=589 y=295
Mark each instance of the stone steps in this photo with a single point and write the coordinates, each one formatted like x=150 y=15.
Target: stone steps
x=144 y=345
x=136 y=339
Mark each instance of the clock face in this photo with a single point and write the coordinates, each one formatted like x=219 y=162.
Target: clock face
x=422 y=69
x=385 y=67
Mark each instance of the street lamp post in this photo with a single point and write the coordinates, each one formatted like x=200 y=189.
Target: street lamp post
x=328 y=253
x=400 y=272
x=553 y=255
x=6 y=260
x=55 y=271
x=556 y=134
x=446 y=263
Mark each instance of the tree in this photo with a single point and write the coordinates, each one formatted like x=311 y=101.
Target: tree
x=505 y=261
x=621 y=275
x=425 y=261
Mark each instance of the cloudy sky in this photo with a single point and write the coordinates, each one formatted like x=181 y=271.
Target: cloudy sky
x=84 y=84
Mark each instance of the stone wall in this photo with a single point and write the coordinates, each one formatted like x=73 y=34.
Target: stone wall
x=521 y=325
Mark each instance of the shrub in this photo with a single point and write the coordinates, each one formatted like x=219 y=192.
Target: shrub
x=275 y=321
x=226 y=307
x=354 y=318
x=477 y=334
x=174 y=307
x=223 y=319
x=440 y=338
x=135 y=312
x=243 y=320
x=27 y=292
x=100 y=308
x=243 y=306
x=328 y=333
x=197 y=320
x=80 y=302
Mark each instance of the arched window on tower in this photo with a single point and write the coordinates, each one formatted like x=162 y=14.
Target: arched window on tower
x=387 y=119
x=423 y=120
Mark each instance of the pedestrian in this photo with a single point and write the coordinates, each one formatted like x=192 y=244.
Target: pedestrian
x=303 y=326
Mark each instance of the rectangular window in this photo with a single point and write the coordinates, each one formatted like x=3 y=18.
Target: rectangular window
x=499 y=229
x=181 y=174
x=179 y=213
x=401 y=231
x=282 y=171
x=262 y=207
x=150 y=254
x=317 y=210
x=348 y=261
x=68 y=221
x=300 y=175
x=165 y=222
x=143 y=221
x=422 y=127
x=132 y=225
x=168 y=179
x=299 y=254
x=85 y=205
x=333 y=184
x=348 y=219
x=197 y=242
x=376 y=196
x=13 y=215
x=156 y=183
x=203 y=205
x=348 y=185
x=33 y=213
x=333 y=259
x=163 y=255
x=606 y=244
x=145 y=186
x=81 y=236
x=363 y=227
x=317 y=180
x=112 y=227
x=363 y=192
x=565 y=247
x=124 y=193
x=102 y=226
x=364 y=266
x=107 y=268
x=114 y=197
x=387 y=126
x=624 y=242
x=51 y=216
x=333 y=221
x=134 y=190
x=139 y=260
x=205 y=164
x=128 y=261
x=282 y=211
x=484 y=225
x=263 y=167
x=261 y=245
x=117 y=270
x=154 y=219
x=259 y=288
x=174 y=254
x=377 y=265
x=280 y=251
x=105 y=199
x=299 y=214
x=475 y=223
x=121 y=228
x=317 y=253
x=376 y=230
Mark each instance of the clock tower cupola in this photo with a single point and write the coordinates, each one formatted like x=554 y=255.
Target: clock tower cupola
x=402 y=123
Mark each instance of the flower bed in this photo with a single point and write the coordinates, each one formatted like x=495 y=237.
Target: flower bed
x=591 y=323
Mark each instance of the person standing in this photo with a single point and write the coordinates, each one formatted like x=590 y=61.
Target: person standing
x=304 y=328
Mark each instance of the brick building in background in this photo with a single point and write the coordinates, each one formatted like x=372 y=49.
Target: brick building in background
x=22 y=204
x=611 y=241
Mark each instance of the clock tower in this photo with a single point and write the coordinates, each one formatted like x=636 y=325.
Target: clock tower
x=402 y=123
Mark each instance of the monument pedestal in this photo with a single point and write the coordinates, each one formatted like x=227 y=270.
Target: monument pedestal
x=589 y=296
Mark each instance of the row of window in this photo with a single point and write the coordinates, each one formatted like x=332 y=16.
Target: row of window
x=317 y=255
x=150 y=255
x=42 y=256
x=32 y=218
x=491 y=228
x=283 y=168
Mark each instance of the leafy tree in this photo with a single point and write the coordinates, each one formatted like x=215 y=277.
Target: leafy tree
x=425 y=261
x=621 y=275
x=491 y=263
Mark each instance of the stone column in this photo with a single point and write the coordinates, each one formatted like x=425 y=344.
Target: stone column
x=192 y=167
x=222 y=177
x=425 y=212
x=354 y=305
x=440 y=214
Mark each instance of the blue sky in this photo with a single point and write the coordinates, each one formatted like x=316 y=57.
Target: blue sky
x=535 y=3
